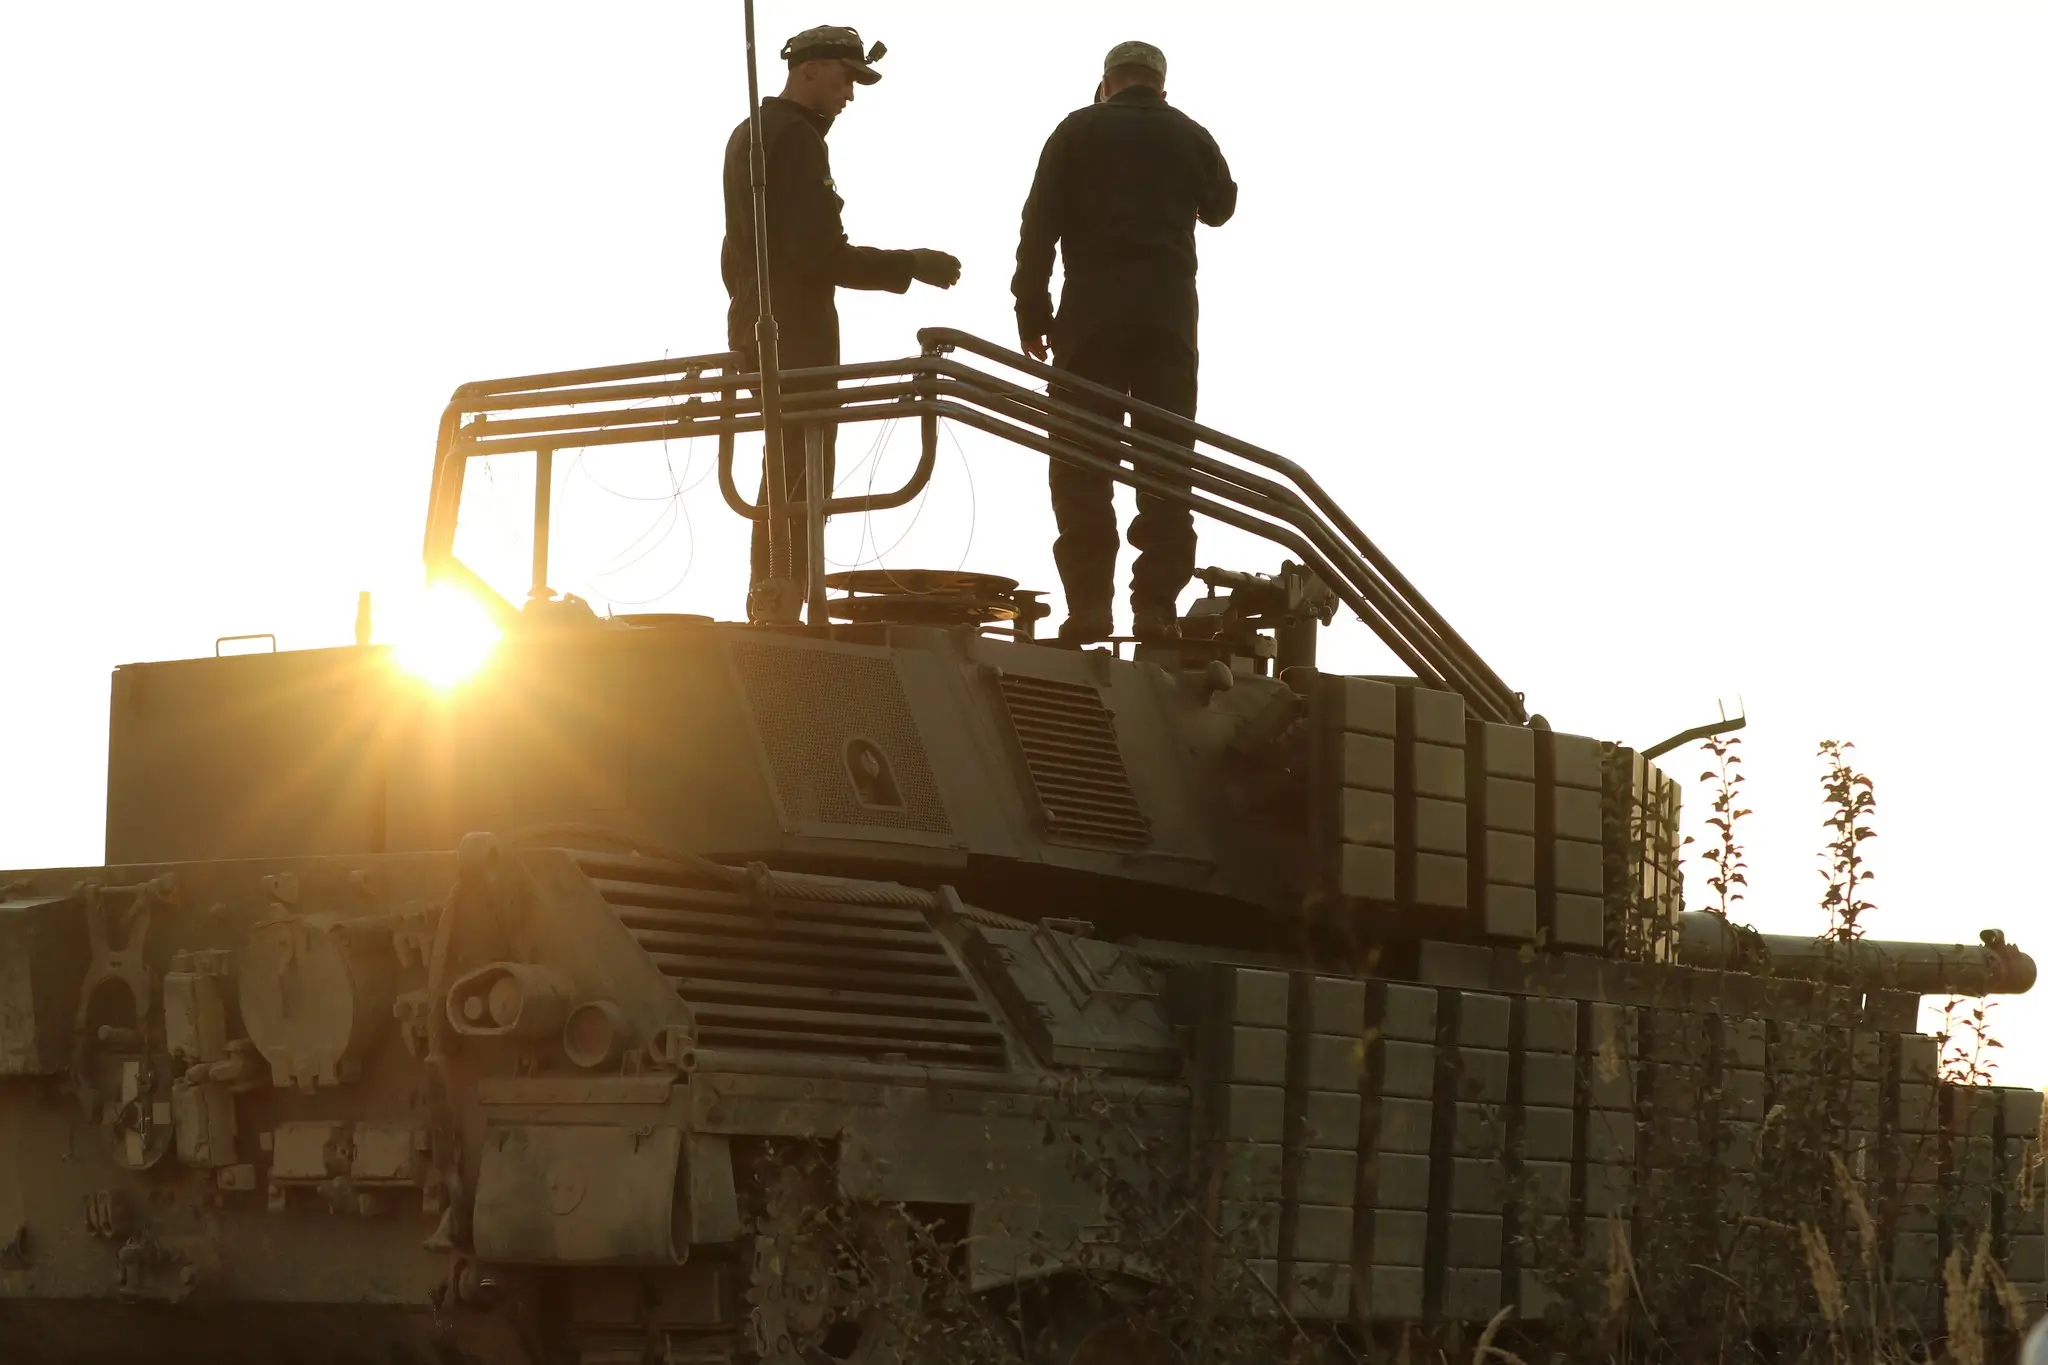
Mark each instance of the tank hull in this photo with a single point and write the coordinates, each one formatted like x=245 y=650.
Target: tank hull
x=91 y=1332
x=570 y=1094
x=809 y=1070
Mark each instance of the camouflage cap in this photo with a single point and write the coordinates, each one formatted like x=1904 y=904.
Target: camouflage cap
x=829 y=41
x=1135 y=54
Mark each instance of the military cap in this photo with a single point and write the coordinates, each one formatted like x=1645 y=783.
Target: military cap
x=829 y=41
x=1135 y=54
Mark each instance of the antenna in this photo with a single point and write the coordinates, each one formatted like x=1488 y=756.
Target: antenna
x=1707 y=731
x=774 y=599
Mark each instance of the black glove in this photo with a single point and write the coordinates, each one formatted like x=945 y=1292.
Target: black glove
x=934 y=268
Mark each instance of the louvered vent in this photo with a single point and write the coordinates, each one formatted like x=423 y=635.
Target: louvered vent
x=1069 y=744
x=797 y=974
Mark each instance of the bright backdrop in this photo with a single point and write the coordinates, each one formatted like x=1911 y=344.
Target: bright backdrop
x=1680 y=352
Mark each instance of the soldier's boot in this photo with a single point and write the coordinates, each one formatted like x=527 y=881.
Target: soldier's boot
x=1155 y=625
x=1085 y=625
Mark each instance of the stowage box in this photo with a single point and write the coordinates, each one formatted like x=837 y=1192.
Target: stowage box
x=42 y=953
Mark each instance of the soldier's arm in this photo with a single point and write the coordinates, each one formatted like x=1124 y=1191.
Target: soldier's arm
x=1219 y=192
x=1044 y=220
x=809 y=227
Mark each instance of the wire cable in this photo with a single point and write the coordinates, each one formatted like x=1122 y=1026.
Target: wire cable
x=973 y=506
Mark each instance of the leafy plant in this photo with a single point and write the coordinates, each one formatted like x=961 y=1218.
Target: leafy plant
x=1730 y=878
x=1967 y=1041
x=1851 y=799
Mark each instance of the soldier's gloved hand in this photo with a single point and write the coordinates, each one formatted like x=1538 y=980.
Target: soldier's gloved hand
x=1033 y=343
x=934 y=268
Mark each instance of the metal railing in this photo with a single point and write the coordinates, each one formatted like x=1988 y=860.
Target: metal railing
x=1215 y=474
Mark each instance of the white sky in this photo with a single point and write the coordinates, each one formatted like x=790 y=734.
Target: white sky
x=1678 y=352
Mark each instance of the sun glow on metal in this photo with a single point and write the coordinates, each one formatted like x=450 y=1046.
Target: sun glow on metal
x=445 y=638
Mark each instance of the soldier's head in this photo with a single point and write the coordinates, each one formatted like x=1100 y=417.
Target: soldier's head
x=825 y=64
x=1130 y=64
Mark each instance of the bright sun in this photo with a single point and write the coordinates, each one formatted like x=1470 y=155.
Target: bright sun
x=445 y=638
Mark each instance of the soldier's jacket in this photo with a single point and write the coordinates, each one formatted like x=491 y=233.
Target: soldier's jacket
x=808 y=253
x=1119 y=187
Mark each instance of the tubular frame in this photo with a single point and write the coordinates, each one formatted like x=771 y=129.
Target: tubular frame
x=1232 y=481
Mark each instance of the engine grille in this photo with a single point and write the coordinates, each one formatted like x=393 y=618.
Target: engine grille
x=1068 y=739
x=801 y=975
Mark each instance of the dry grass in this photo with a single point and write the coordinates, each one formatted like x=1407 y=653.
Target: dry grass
x=1620 y=1270
x=1486 y=1350
x=1965 y=1297
x=1827 y=1285
x=1859 y=1214
x=2016 y=1312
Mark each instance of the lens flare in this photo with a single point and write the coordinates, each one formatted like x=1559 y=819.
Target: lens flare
x=446 y=639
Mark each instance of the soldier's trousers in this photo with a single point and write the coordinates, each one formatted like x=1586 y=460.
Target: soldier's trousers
x=1156 y=365
x=793 y=481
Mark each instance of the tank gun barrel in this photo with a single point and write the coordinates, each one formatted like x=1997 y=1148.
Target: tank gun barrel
x=1988 y=967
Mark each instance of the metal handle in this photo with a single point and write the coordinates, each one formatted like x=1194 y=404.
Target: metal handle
x=230 y=639
x=920 y=477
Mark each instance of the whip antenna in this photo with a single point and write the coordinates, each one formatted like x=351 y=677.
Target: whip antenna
x=773 y=599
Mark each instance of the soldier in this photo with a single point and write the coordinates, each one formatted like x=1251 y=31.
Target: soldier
x=808 y=252
x=1119 y=188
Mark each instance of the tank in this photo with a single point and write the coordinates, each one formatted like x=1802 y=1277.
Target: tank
x=893 y=985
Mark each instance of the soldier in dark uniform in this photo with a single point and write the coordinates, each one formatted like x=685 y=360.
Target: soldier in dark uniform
x=808 y=254
x=1119 y=189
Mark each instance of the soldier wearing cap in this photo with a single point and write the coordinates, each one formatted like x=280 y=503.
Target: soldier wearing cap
x=809 y=256
x=1120 y=186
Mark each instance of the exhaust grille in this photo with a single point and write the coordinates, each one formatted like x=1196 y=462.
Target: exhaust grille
x=793 y=973
x=1068 y=739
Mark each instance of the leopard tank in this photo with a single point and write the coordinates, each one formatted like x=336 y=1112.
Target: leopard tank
x=878 y=981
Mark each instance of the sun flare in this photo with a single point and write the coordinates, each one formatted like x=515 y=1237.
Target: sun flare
x=446 y=638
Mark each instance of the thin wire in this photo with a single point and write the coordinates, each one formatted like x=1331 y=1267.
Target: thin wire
x=674 y=509
x=688 y=563
x=698 y=482
x=868 y=523
x=972 y=506
x=874 y=452
x=675 y=486
x=497 y=501
x=873 y=463
x=867 y=516
x=973 y=512
x=672 y=512
x=689 y=531
x=665 y=518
